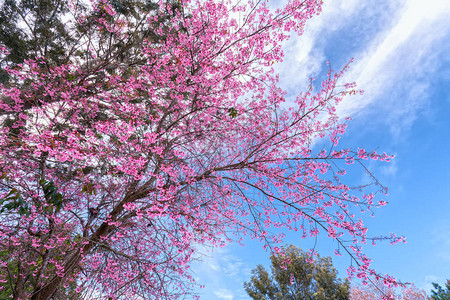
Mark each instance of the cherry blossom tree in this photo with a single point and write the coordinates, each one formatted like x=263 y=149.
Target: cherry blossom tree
x=115 y=169
x=380 y=291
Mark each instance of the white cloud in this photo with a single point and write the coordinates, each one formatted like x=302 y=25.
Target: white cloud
x=220 y=261
x=394 y=68
x=222 y=272
x=389 y=169
x=429 y=279
x=224 y=294
x=432 y=278
x=304 y=56
x=302 y=61
x=231 y=266
x=441 y=238
x=398 y=45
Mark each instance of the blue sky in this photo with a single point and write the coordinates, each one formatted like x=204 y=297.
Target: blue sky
x=402 y=61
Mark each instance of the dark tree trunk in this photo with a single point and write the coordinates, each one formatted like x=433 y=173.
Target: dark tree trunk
x=51 y=287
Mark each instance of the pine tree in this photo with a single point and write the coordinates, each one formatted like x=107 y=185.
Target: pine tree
x=294 y=276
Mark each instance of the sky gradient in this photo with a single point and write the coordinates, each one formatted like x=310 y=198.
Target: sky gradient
x=402 y=62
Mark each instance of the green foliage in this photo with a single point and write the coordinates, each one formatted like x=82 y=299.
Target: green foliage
x=52 y=197
x=44 y=34
x=440 y=293
x=316 y=280
x=13 y=201
x=14 y=266
x=232 y=112
x=89 y=189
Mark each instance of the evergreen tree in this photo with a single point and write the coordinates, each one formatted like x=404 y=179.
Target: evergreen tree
x=294 y=276
x=83 y=36
x=441 y=293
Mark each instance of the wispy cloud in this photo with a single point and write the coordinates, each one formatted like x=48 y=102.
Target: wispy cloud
x=223 y=273
x=441 y=238
x=221 y=261
x=397 y=48
x=429 y=279
x=224 y=294
x=304 y=56
x=398 y=61
x=389 y=169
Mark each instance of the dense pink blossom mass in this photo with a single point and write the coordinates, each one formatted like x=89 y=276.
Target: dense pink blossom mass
x=379 y=291
x=109 y=187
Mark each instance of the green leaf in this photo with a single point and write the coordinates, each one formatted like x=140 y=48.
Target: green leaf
x=10 y=206
x=24 y=210
x=232 y=112
x=89 y=189
x=13 y=191
x=52 y=196
x=49 y=209
x=71 y=77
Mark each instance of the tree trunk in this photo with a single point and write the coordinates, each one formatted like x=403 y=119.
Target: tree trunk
x=46 y=292
x=50 y=288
